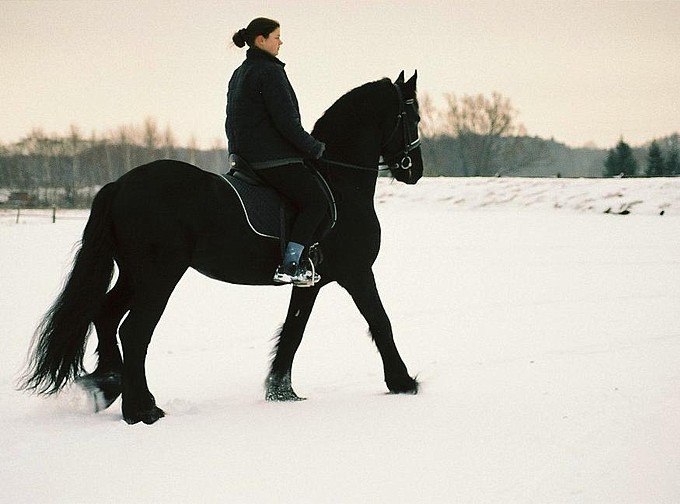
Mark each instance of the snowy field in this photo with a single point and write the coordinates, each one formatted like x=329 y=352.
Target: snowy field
x=546 y=335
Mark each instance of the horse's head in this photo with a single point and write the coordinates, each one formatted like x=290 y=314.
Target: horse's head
x=401 y=150
x=377 y=119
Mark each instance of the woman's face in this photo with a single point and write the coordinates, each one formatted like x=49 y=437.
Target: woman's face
x=270 y=44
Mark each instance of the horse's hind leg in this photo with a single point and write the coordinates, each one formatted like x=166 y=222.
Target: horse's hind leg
x=105 y=383
x=149 y=300
x=278 y=384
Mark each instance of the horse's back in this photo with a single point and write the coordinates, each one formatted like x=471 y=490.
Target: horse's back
x=168 y=188
x=164 y=179
x=193 y=213
x=165 y=203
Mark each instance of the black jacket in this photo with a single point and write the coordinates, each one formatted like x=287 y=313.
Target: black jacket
x=263 y=117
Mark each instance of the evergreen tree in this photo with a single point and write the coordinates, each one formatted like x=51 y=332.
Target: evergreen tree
x=620 y=161
x=611 y=164
x=672 y=164
x=655 y=163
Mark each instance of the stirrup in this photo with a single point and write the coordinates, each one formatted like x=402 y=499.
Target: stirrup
x=311 y=277
x=297 y=275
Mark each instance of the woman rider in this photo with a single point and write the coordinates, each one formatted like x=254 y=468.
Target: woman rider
x=263 y=127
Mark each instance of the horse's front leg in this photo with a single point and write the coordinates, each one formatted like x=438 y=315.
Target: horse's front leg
x=364 y=292
x=278 y=384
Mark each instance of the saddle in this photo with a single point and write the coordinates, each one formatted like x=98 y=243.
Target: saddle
x=269 y=213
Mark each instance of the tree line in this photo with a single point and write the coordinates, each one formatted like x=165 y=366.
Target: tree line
x=476 y=135
x=66 y=170
x=662 y=160
x=473 y=135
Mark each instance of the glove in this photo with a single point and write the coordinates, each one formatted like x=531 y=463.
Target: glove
x=318 y=150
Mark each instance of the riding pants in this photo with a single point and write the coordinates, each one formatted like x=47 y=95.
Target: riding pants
x=299 y=185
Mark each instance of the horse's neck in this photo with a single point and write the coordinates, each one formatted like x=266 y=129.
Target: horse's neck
x=361 y=152
x=353 y=189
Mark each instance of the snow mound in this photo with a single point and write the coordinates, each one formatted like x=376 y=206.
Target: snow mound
x=642 y=196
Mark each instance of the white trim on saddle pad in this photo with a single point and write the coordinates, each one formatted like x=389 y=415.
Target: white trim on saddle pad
x=245 y=211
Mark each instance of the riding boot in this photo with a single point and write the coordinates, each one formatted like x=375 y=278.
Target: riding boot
x=293 y=269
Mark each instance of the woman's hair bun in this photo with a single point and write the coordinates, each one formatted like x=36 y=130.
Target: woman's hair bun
x=258 y=26
x=240 y=38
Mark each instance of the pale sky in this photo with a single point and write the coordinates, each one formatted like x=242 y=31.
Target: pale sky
x=577 y=71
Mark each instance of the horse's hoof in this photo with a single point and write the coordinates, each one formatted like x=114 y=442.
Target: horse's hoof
x=279 y=389
x=409 y=386
x=282 y=396
x=103 y=388
x=137 y=410
x=148 y=417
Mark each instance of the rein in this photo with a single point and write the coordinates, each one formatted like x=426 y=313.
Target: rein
x=381 y=167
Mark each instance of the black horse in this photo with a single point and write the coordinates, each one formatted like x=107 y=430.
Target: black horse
x=162 y=218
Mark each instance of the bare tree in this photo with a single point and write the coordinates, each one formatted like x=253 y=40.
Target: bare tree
x=219 y=162
x=193 y=148
x=671 y=146
x=74 y=145
x=101 y=158
x=169 y=143
x=125 y=139
x=6 y=178
x=431 y=120
x=489 y=135
x=152 y=137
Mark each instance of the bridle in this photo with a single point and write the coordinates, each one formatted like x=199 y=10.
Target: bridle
x=410 y=133
x=407 y=110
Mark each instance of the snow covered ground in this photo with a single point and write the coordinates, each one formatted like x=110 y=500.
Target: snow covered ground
x=546 y=335
x=641 y=196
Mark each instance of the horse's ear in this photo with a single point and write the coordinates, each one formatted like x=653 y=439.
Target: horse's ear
x=411 y=83
x=400 y=79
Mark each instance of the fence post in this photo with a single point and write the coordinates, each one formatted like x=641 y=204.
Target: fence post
x=18 y=213
x=54 y=214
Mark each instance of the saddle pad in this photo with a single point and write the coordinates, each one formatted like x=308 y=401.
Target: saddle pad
x=261 y=206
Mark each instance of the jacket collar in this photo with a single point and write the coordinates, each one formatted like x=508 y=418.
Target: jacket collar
x=254 y=53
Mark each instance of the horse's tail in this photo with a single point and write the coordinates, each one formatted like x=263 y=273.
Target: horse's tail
x=58 y=348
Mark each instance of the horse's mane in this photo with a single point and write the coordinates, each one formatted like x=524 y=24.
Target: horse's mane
x=363 y=105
